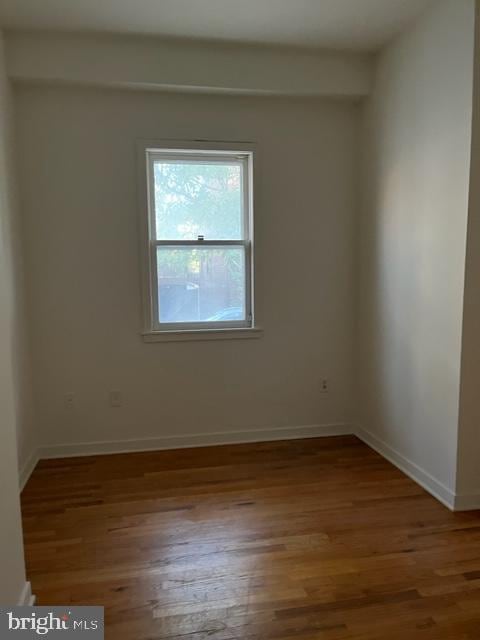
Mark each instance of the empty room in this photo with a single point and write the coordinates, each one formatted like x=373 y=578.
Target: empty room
x=239 y=319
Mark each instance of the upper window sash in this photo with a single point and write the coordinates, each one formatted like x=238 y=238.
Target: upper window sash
x=169 y=156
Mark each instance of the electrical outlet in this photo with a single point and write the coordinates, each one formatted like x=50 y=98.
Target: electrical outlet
x=70 y=400
x=115 y=399
x=324 y=385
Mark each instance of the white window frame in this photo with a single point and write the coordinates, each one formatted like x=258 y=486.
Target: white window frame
x=149 y=152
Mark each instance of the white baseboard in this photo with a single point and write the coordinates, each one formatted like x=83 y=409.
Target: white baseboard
x=411 y=469
x=467 y=501
x=26 y=597
x=27 y=468
x=193 y=440
x=455 y=502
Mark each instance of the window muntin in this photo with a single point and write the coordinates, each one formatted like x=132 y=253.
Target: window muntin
x=200 y=249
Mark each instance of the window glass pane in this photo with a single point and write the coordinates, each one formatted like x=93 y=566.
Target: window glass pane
x=201 y=284
x=193 y=199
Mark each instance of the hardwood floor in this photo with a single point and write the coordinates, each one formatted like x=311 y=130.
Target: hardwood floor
x=306 y=540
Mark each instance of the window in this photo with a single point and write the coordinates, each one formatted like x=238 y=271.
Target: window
x=199 y=228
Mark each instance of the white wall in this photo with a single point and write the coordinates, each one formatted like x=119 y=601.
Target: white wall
x=468 y=479
x=418 y=128
x=27 y=441
x=148 y=62
x=77 y=160
x=78 y=167
x=12 y=572
x=22 y=383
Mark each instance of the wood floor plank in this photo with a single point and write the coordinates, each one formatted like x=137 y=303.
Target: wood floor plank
x=317 y=539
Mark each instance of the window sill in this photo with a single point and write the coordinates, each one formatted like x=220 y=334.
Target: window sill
x=202 y=334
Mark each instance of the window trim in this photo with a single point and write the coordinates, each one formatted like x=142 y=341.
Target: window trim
x=148 y=151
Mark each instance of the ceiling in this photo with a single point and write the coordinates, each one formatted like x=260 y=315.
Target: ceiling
x=341 y=24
